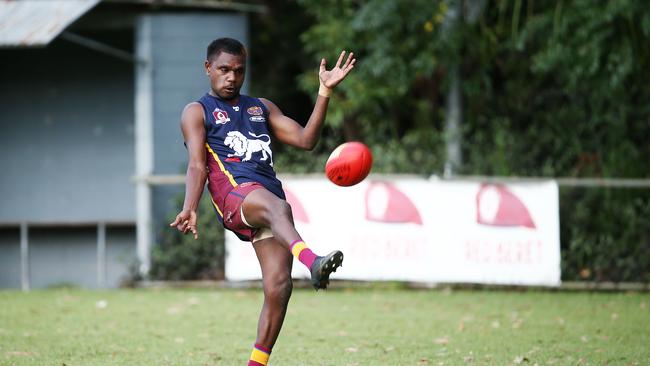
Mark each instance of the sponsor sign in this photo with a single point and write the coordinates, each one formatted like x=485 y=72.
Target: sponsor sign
x=257 y=119
x=423 y=231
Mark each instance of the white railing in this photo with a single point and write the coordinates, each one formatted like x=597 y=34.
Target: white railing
x=25 y=277
x=156 y=180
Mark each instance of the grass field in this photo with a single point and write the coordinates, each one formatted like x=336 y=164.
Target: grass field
x=339 y=327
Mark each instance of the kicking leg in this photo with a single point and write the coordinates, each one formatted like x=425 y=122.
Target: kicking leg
x=275 y=262
x=262 y=208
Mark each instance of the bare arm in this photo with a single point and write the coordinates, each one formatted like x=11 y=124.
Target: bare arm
x=291 y=132
x=194 y=135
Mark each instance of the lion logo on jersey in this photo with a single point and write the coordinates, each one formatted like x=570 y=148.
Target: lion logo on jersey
x=245 y=146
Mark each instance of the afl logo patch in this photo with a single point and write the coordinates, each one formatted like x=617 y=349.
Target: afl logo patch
x=255 y=111
x=220 y=116
x=257 y=119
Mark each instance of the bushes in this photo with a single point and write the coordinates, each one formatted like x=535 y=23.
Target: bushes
x=552 y=89
x=605 y=234
x=180 y=257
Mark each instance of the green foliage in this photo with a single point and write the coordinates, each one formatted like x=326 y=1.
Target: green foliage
x=389 y=101
x=549 y=89
x=564 y=97
x=180 y=257
x=562 y=84
x=605 y=235
x=566 y=92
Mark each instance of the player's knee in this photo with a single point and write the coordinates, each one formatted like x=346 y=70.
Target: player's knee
x=279 y=210
x=279 y=289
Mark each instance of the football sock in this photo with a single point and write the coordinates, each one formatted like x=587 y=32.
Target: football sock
x=305 y=255
x=260 y=356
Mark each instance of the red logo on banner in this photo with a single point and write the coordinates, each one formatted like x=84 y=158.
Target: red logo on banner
x=386 y=203
x=497 y=206
x=299 y=213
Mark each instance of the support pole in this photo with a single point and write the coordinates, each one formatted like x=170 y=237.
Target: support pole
x=101 y=254
x=453 y=113
x=452 y=123
x=24 y=257
x=143 y=140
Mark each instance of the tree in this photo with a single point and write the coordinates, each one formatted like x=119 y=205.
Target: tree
x=548 y=89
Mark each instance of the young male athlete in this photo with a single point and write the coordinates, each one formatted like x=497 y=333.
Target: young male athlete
x=228 y=138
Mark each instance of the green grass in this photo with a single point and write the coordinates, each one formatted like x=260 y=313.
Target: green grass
x=341 y=327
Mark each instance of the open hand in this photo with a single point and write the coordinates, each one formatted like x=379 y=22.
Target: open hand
x=186 y=222
x=331 y=78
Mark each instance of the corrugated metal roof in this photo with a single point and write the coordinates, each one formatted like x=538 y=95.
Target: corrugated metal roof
x=28 y=23
x=256 y=6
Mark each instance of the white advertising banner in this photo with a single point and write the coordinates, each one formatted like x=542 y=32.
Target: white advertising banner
x=423 y=231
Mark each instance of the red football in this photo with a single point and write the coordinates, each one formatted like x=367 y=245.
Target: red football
x=349 y=164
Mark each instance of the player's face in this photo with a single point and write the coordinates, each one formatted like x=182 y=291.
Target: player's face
x=226 y=73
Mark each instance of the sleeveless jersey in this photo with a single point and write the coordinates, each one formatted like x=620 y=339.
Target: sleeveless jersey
x=238 y=147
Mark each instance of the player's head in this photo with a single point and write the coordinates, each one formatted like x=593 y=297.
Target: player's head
x=225 y=65
x=227 y=45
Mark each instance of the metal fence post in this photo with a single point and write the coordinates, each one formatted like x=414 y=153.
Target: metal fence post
x=24 y=256
x=101 y=254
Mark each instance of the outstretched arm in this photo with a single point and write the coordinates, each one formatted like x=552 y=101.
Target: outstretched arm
x=291 y=132
x=194 y=135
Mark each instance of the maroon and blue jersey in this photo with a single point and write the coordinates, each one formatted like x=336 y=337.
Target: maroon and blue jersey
x=238 y=147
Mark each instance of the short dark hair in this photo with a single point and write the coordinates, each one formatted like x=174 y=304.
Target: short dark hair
x=227 y=45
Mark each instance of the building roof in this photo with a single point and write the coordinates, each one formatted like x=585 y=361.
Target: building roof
x=29 y=23
x=34 y=23
x=253 y=6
